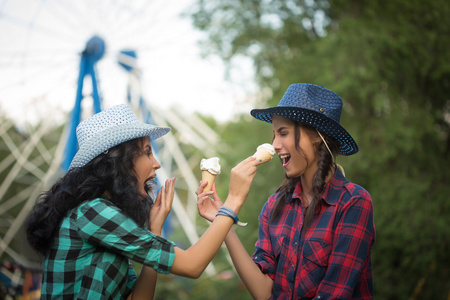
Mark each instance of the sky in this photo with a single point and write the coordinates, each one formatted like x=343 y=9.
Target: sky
x=39 y=58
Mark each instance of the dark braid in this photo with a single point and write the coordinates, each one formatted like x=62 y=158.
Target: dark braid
x=325 y=165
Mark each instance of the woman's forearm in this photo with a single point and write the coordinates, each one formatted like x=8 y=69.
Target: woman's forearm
x=145 y=285
x=193 y=261
x=258 y=284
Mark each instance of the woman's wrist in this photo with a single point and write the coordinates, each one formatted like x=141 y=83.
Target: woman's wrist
x=228 y=212
x=156 y=231
x=233 y=203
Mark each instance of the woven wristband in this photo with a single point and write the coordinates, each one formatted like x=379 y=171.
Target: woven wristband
x=228 y=212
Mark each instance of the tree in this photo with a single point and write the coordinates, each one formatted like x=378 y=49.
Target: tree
x=389 y=62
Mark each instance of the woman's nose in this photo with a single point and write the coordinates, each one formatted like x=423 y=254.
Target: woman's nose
x=276 y=145
x=156 y=164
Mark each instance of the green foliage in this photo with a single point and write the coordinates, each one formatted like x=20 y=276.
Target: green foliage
x=390 y=63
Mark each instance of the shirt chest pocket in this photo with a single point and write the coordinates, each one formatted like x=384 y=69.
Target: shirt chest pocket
x=316 y=252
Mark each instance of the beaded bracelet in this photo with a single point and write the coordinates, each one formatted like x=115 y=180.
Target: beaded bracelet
x=228 y=212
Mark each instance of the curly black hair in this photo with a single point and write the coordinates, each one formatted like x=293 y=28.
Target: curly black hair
x=112 y=171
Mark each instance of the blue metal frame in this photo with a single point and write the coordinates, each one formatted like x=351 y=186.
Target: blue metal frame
x=95 y=48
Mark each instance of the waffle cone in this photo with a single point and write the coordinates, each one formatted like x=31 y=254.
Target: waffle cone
x=206 y=176
x=263 y=155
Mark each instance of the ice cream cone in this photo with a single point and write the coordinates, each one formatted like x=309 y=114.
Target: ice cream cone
x=210 y=169
x=206 y=176
x=264 y=153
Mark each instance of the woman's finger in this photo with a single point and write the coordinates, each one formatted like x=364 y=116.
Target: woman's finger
x=163 y=195
x=200 y=201
x=201 y=187
x=158 y=199
x=246 y=168
x=251 y=162
x=246 y=164
x=170 y=191
x=199 y=192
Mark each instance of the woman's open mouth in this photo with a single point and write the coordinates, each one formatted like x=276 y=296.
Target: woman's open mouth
x=285 y=159
x=149 y=181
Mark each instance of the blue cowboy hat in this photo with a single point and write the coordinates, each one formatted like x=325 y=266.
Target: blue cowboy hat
x=315 y=106
x=109 y=128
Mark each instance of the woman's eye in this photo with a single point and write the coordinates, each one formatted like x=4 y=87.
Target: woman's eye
x=148 y=152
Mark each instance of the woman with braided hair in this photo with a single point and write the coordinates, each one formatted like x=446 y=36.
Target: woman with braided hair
x=317 y=230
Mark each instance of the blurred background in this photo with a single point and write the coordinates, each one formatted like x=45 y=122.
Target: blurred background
x=199 y=67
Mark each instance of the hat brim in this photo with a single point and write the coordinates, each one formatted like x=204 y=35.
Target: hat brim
x=324 y=124
x=114 y=136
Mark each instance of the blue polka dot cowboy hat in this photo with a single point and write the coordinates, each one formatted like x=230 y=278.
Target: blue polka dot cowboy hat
x=110 y=128
x=315 y=106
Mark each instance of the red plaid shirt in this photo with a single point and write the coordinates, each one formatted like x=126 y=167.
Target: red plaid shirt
x=332 y=260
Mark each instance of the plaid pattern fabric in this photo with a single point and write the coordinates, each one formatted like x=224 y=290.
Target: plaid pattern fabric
x=89 y=257
x=332 y=260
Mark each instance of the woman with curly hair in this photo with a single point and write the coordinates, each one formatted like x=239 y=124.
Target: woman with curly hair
x=101 y=214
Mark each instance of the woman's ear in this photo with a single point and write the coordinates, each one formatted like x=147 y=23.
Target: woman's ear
x=316 y=140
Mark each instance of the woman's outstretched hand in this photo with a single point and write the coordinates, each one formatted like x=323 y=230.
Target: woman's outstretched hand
x=241 y=179
x=207 y=207
x=162 y=206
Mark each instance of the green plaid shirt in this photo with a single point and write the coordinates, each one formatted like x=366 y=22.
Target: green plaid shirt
x=89 y=256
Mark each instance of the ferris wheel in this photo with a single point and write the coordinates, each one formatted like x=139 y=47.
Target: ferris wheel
x=96 y=57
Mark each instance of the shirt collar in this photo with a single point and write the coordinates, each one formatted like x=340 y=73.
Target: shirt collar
x=332 y=192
